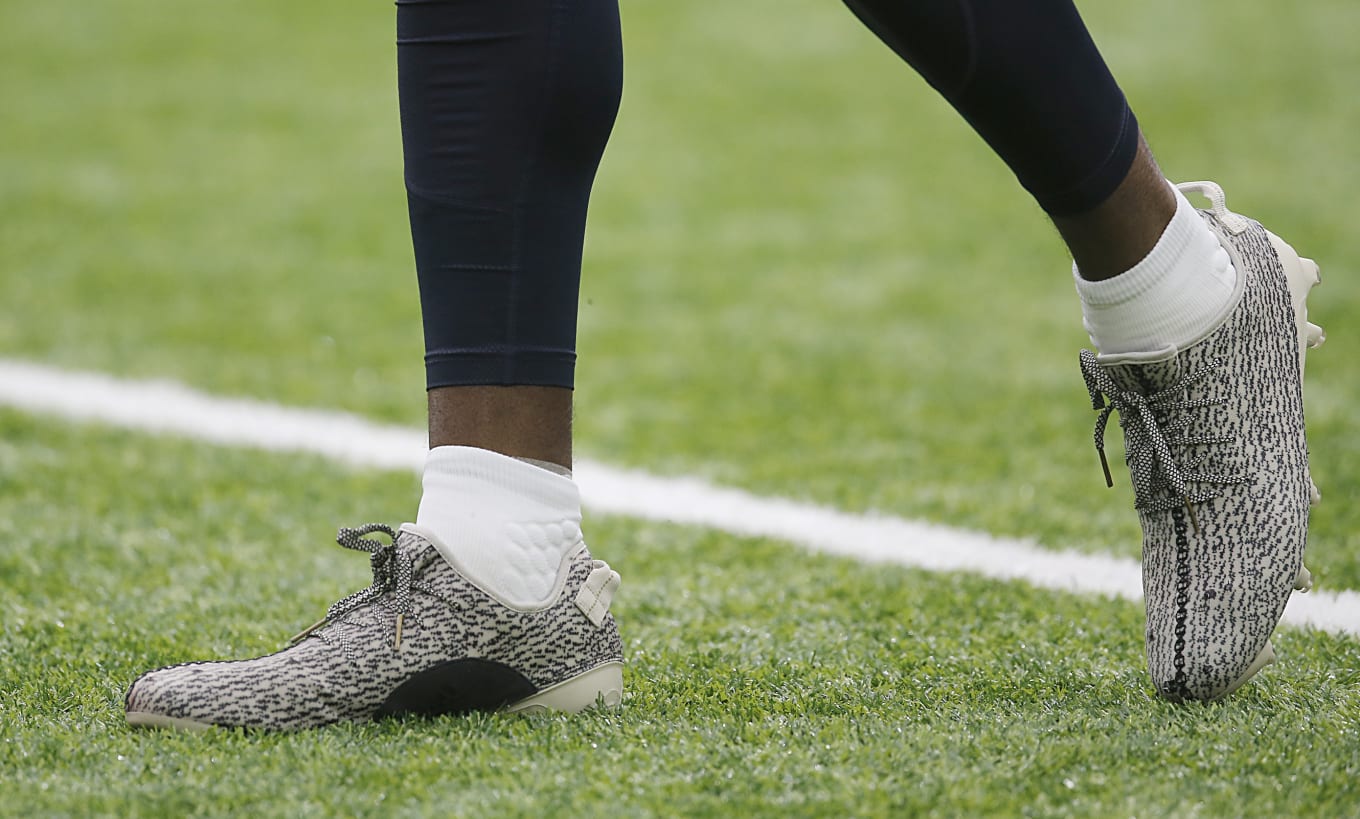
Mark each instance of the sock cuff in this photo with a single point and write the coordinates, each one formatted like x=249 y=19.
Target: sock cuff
x=1160 y=262
x=1171 y=298
x=472 y=466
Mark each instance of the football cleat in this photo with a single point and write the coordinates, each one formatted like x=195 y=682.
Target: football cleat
x=422 y=640
x=1214 y=442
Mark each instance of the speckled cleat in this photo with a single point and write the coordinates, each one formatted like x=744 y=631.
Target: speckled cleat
x=423 y=640
x=1214 y=441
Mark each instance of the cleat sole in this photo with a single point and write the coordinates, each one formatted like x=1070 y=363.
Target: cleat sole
x=1303 y=581
x=600 y=686
x=145 y=719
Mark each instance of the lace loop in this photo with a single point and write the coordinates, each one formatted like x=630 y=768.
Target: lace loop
x=1153 y=465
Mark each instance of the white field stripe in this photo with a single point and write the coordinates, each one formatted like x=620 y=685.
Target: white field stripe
x=165 y=407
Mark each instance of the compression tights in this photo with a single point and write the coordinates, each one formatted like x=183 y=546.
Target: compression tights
x=505 y=109
x=506 y=106
x=1026 y=75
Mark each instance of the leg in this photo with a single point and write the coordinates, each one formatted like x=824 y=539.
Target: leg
x=506 y=108
x=491 y=599
x=1199 y=319
x=1116 y=234
x=1029 y=79
x=528 y=422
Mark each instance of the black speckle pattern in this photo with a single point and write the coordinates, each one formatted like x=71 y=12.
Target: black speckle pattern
x=1224 y=524
x=346 y=669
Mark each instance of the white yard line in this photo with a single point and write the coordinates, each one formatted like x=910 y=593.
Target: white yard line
x=165 y=407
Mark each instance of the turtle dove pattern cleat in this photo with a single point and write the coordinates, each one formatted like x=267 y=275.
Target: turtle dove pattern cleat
x=422 y=640
x=1214 y=441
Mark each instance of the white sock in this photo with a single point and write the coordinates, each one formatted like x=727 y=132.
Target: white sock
x=505 y=524
x=1176 y=294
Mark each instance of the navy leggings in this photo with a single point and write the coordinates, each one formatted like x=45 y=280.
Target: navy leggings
x=506 y=106
x=505 y=109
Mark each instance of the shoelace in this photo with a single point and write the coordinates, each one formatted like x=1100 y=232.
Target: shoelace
x=1149 y=441
x=393 y=574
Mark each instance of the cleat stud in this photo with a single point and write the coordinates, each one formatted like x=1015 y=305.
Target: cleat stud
x=1312 y=267
x=1303 y=581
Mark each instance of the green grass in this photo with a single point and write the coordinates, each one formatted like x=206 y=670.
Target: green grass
x=804 y=276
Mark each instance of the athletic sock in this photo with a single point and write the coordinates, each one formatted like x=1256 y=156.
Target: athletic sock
x=504 y=524
x=1172 y=298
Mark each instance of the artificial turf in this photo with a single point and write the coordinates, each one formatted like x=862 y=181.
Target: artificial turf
x=804 y=276
x=760 y=679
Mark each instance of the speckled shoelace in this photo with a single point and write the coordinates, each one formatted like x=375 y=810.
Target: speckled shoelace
x=1149 y=441
x=393 y=574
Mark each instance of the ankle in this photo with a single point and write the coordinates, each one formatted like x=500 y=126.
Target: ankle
x=1122 y=230
x=523 y=421
x=1172 y=297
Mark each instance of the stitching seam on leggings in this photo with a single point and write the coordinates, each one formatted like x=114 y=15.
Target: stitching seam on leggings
x=970 y=42
x=444 y=199
x=497 y=349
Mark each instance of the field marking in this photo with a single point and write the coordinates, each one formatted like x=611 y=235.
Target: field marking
x=165 y=407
